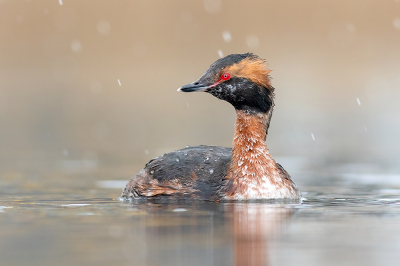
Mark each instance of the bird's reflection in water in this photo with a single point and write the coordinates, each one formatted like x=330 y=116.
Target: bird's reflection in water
x=203 y=233
x=254 y=224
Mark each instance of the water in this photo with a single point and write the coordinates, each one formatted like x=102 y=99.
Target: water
x=81 y=221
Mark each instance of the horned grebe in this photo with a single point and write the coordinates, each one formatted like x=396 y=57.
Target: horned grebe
x=217 y=173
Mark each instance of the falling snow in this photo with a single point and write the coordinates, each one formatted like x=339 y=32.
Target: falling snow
x=220 y=54
x=212 y=6
x=76 y=46
x=103 y=27
x=226 y=35
x=358 y=101
x=252 y=41
x=61 y=2
x=312 y=135
x=119 y=82
x=396 y=23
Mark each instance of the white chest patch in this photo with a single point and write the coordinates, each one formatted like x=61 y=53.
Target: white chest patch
x=257 y=175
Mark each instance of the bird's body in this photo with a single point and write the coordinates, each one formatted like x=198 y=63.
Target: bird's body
x=246 y=171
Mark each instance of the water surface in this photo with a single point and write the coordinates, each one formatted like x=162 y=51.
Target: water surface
x=339 y=222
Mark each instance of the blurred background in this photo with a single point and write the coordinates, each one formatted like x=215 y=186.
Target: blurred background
x=92 y=84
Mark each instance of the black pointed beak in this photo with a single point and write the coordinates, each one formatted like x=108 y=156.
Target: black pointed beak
x=194 y=86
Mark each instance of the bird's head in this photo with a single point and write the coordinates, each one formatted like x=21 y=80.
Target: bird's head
x=240 y=79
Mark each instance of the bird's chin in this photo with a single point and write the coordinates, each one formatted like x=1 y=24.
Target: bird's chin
x=216 y=94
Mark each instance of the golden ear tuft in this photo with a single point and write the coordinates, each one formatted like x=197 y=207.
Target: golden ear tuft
x=253 y=69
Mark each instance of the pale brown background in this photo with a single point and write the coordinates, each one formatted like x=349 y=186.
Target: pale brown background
x=60 y=64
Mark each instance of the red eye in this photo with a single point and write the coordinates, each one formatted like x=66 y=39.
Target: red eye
x=225 y=76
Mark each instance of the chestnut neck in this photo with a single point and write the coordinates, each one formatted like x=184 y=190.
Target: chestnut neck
x=249 y=125
x=250 y=151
